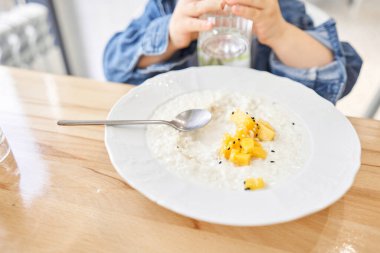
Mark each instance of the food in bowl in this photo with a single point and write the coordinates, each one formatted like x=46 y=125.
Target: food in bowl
x=254 y=183
x=197 y=155
x=245 y=145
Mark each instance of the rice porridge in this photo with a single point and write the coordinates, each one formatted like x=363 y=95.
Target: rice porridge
x=195 y=155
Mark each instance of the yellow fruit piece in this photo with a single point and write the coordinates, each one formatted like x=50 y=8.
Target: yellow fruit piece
x=235 y=144
x=265 y=131
x=247 y=145
x=244 y=145
x=265 y=134
x=241 y=133
x=265 y=123
x=239 y=158
x=227 y=138
x=242 y=120
x=226 y=153
x=226 y=149
x=233 y=153
x=254 y=183
x=258 y=151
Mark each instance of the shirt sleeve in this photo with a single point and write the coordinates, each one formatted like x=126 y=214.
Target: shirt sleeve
x=332 y=81
x=148 y=35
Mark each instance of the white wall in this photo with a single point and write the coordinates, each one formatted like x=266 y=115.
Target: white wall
x=6 y=5
x=87 y=25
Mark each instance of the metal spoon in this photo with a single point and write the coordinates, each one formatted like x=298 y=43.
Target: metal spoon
x=185 y=121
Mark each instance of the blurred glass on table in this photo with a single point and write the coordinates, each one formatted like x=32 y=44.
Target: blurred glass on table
x=229 y=38
x=9 y=173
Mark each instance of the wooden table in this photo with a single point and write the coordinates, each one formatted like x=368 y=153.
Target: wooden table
x=70 y=198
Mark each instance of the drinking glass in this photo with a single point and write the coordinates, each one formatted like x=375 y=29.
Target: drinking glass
x=230 y=36
x=9 y=174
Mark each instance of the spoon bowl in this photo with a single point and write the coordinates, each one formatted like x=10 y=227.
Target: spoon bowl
x=191 y=119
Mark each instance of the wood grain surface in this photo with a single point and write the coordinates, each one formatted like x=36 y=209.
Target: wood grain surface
x=69 y=198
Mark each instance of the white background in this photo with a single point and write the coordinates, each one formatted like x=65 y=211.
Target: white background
x=87 y=25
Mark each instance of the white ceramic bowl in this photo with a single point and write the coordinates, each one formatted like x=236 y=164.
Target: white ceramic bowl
x=328 y=174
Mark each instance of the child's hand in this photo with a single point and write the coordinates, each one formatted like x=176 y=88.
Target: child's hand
x=185 y=24
x=268 y=23
x=293 y=46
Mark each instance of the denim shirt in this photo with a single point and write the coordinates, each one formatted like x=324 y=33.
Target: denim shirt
x=148 y=35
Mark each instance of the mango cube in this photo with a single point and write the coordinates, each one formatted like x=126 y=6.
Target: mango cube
x=247 y=145
x=241 y=133
x=225 y=152
x=242 y=120
x=258 y=151
x=227 y=138
x=254 y=183
x=235 y=144
x=239 y=158
x=233 y=153
x=265 y=131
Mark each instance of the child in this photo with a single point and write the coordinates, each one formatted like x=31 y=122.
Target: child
x=288 y=42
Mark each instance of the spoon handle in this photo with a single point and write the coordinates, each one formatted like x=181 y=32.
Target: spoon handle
x=108 y=122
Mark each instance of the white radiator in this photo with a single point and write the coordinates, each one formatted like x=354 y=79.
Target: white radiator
x=25 y=40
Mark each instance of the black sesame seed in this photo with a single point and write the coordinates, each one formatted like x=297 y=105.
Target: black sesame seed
x=241 y=146
x=253 y=118
x=272 y=151
x=272 y=161
x=244 y=182
x=293 y=123
x=238 y=139
x=177 y=147
x=247 y=189
x=233 y=142
x=228 y=148
x=220 y=162
x=232 y=113
x=246 y=112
